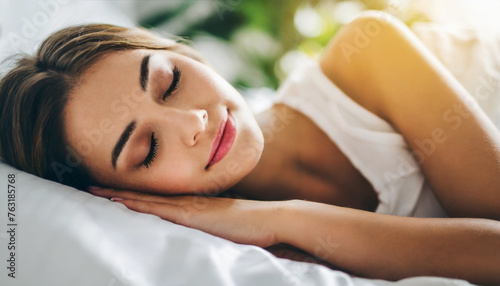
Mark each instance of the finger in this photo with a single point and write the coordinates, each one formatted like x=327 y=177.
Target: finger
x=131 y=195
x=184 y=200
x=127 y=194
x=165 y=211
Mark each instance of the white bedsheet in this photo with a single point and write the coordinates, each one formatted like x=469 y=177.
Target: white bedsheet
x=67 y=237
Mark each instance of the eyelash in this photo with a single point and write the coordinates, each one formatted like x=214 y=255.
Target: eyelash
x=175 y=82
x=152 y=152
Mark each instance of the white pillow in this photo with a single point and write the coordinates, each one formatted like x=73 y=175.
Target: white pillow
x=68 y=237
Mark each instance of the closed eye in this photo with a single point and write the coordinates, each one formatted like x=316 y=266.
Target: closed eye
x=153 y=151
x=175 y=82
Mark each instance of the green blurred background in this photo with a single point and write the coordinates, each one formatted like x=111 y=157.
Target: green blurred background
x=256 y=43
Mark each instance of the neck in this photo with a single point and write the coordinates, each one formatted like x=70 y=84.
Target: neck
x=257 y=184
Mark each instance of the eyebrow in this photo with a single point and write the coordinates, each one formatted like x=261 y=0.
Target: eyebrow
x=145 y=72
x=121 y=142
x=131 y=126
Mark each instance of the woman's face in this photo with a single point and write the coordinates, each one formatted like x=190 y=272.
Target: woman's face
x=150 y=120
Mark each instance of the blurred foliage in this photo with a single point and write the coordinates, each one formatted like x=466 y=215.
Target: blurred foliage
x=269 y=36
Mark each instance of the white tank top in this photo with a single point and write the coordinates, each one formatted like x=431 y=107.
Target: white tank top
x=373 y=147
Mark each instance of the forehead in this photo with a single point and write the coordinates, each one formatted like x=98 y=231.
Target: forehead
x=115 y=65
x=95 y=106
x=101 y=77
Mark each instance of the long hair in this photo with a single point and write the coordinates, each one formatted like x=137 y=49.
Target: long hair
x=34 y=93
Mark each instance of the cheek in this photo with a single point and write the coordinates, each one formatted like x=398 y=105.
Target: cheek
x=174 y=175
x=211 y=85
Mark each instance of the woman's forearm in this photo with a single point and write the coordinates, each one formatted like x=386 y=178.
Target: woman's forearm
x=391 y=247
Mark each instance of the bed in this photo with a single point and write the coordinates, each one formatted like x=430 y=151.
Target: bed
x=51 y=234
x=63 y=236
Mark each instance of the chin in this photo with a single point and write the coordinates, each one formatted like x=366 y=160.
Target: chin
x=239 y=162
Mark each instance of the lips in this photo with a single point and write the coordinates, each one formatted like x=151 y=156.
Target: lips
x=223 y=140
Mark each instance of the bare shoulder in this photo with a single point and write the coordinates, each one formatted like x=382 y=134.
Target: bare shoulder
x=381 y=64
x=360 y=38
x=357 y=56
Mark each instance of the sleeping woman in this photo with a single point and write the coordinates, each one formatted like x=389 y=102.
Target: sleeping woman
x=374 y=159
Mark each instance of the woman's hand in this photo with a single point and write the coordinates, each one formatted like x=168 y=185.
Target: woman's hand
x=241 y=221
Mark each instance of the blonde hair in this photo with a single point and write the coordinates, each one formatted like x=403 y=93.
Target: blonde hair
x=34 y=93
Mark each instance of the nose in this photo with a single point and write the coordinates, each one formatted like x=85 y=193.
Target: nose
x=185 y=126
x=195 y=126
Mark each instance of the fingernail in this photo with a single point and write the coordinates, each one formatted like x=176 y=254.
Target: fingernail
x=116 y=199
x=94 y=188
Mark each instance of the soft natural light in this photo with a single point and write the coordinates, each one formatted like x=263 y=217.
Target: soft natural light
x=308 y=22
x=346 y=11
x=291 y=60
